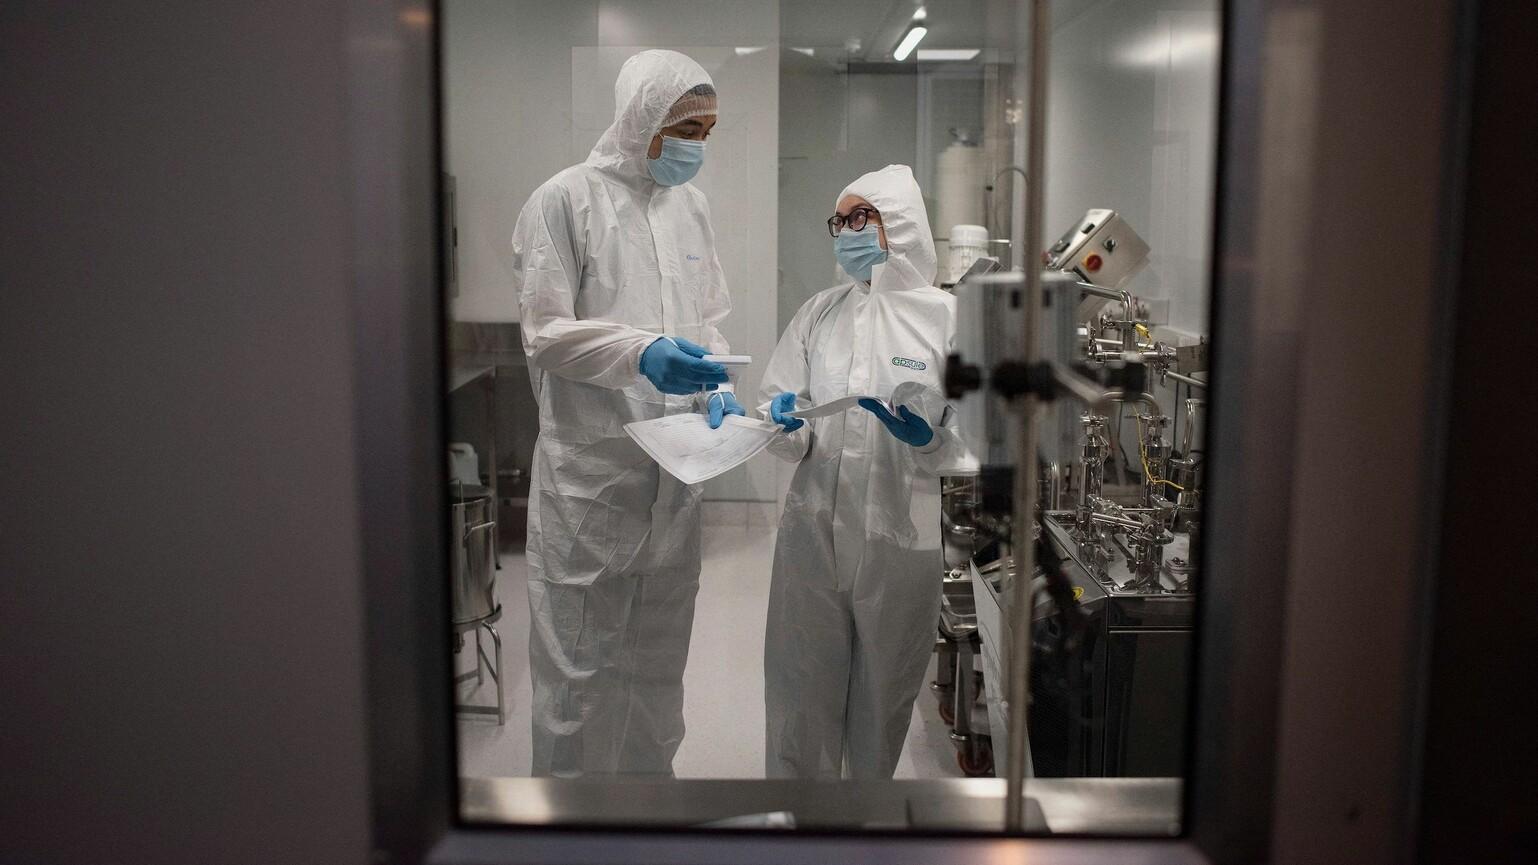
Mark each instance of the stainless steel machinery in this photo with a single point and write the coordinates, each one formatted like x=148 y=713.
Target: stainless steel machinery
x=1117 y=515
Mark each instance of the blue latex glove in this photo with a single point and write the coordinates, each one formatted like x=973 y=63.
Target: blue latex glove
x=721 y=404
x=674 y=366
x=785 y=402
x=909 y=428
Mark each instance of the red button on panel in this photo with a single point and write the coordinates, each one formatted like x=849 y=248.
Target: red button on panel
x=1092 y=262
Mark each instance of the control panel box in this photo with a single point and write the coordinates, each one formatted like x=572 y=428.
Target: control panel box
x=1102 y=249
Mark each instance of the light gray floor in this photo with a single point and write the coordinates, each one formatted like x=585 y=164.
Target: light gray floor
x=724 y=684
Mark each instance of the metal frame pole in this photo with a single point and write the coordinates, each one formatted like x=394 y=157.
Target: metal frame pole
x=1023 y=601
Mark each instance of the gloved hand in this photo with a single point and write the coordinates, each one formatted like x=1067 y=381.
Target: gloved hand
x=721 y=404
x=909 y=428
x=785 y=402
x=673 y=366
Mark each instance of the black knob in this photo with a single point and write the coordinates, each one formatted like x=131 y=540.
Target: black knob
x=961 y=378
x=1012 y=378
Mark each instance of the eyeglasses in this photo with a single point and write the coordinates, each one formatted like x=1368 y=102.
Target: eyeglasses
x=855 y=221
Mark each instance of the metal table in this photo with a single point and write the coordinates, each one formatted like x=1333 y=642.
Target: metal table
x=1120 y=806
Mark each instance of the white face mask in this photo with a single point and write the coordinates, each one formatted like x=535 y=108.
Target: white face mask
x=679 y=161
x=859 y=252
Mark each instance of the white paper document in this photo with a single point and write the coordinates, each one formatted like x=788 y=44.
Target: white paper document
x=844 y=403
x=688 y=449
x=909 y=393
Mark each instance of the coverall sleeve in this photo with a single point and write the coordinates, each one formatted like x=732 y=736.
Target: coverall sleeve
x=715 y=306
x=547 y=271
x=944 y=449
x=789 y=370
x=947 y=448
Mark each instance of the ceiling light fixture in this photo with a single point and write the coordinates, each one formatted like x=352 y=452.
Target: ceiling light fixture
x=928 y=55
x=909 y=41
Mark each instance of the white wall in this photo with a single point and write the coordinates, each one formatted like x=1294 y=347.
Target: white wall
x=507 y=128
x=1132 y=107
x=835 y=127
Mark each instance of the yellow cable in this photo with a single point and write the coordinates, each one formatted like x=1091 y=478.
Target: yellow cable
x=1142 y=450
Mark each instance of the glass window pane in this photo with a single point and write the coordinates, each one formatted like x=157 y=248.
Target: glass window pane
x=817 y=632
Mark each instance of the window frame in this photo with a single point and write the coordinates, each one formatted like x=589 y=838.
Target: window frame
x=399 y=357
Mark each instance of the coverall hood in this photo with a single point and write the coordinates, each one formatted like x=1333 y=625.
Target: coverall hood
x=648 y=85
x=911 y=261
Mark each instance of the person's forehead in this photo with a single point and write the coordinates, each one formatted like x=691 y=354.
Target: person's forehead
x=851 y=201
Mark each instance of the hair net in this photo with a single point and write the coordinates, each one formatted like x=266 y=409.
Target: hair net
x=910 y=244
x=649 y=85
x=698 y=102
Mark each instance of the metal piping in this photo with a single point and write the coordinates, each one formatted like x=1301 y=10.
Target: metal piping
x=1185 y=439
x=1124 y=397
x=1128 y=308
x=1185 y=379
x=1122 y=522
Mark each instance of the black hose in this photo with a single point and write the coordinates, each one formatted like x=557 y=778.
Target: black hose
x=1070 y=615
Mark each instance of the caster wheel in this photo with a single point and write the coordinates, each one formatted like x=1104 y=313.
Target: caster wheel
x=948 y=709
x=976 y=762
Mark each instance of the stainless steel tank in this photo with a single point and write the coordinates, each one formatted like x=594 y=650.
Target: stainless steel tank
x=473 y=541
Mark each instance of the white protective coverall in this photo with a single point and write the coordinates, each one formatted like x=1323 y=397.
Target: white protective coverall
x=606 y=261
x=855 y=595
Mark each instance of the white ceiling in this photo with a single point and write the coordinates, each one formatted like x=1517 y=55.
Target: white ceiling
x=878 y=24
x=832 y=23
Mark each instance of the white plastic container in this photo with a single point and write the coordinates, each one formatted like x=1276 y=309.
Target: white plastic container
x=968 y=244
x=464 y=465
x=960 y=175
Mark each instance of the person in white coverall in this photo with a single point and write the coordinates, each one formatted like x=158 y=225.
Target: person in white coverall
x=855 y=593
x=621 y=294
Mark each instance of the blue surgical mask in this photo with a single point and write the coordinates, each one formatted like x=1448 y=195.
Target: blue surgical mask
x=680 y=161
x=859 y=251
